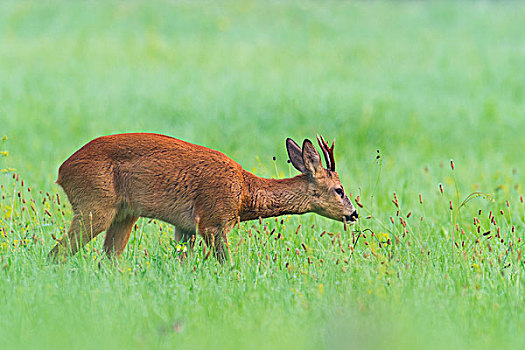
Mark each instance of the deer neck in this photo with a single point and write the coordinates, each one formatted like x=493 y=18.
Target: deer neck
x=265 y=198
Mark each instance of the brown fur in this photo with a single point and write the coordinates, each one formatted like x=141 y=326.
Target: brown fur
x=113 y=180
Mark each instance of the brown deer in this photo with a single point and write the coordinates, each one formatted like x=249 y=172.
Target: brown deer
x=113 y=180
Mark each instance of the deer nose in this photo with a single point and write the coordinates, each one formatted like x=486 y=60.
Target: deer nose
x=352 y=217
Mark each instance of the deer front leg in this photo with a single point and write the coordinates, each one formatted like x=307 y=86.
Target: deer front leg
x=216 y=239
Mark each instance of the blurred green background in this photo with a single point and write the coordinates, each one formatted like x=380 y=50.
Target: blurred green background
x=420 y=81
x=423 y=82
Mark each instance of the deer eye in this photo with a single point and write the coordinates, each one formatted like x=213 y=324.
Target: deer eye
x=340 y=192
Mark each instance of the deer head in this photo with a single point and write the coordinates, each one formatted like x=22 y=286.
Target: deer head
x=327 y=196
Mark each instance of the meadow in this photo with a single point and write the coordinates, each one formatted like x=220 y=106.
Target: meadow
x=425 y=101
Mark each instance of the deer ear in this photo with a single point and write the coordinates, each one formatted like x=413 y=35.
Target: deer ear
x=311 y=159
x=296 y=155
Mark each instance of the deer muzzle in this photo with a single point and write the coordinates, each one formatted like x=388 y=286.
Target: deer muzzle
x=352 y=217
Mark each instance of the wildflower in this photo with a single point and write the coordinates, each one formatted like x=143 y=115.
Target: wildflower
x=320 y=288
x=383 y=236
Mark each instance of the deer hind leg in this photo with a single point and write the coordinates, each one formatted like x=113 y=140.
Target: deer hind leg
x=85 y=226
x=118 y=233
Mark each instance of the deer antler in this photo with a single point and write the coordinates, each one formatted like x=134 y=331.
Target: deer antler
x=328 y=152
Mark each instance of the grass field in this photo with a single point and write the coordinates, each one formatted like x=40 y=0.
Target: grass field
x=423 y=83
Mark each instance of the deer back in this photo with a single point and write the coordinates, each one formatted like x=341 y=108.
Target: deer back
x=153 y=176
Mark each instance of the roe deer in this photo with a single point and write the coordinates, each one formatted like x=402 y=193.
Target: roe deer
x=113 y=180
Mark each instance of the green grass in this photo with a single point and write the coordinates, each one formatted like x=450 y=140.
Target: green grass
x=423 y=83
